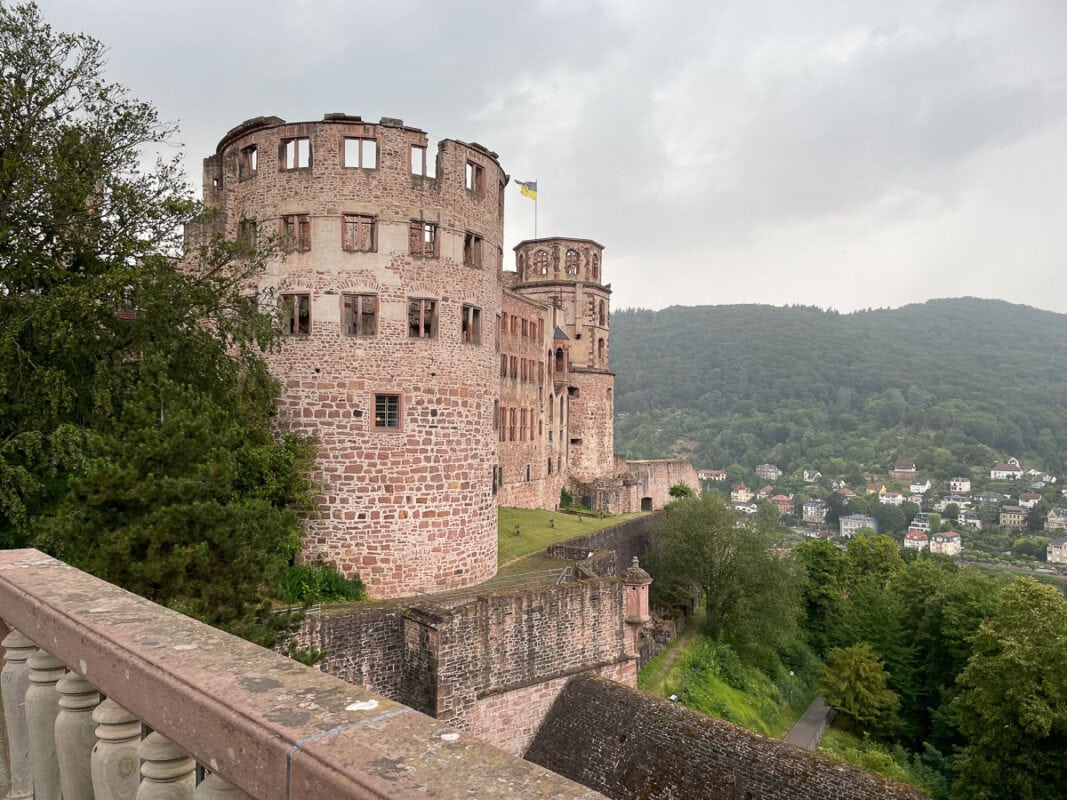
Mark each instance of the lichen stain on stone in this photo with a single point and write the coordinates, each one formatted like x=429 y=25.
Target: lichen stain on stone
x=258 y=685
x=389 y=768
x=289 y=717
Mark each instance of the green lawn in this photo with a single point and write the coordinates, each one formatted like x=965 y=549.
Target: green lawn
x=535 y=533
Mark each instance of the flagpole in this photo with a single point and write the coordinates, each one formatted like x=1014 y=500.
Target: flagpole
x=535 y=216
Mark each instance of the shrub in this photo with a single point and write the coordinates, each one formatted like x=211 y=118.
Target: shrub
x=320 y=583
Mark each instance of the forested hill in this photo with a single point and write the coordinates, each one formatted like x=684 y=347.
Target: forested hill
x=952 y=383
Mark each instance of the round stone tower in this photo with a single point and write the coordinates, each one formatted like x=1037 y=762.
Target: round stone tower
x=567 y=273
x=389 y=291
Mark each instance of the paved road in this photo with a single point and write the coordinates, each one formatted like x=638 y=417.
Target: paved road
x=809 y=729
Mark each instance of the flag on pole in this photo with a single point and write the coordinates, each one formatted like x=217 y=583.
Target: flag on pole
x=528 y=189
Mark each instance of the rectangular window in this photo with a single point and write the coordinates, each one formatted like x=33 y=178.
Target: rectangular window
x=503 y=366
x=471 y=327
x=295 y=153
x=525 y=329
x=525 y=370
x=474 y=178
x=421 y=163
x=247 y=162
x=296 y=232
x=422 y=319
x=514 y=366
x=422 y=239
x=246 y=233
x=359 y=233
x=496 y=333
x=360 y=315
x=522 y=425
x=386 y=412
x=361 y=153
x=472 y=250
x=511 y=426
x=296 y=314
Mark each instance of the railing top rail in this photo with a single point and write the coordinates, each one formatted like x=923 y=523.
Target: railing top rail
x=269 y=725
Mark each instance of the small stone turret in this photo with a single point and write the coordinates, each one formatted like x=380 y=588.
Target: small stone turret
x=636 y=581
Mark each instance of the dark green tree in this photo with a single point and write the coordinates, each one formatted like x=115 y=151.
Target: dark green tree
x=855 y=683
x=751 y=591
x=826 y=571
x=135 y=408
x=1013 y=707
x=681 y=490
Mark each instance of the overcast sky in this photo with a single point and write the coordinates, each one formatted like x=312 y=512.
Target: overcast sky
x=846 y=154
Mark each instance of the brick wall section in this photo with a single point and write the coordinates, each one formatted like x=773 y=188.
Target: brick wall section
x=510 y=720
x=627 y=539
x=485 y=663
x=626 y=744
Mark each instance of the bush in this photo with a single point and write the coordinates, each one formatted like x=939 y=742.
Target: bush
x=320 y=582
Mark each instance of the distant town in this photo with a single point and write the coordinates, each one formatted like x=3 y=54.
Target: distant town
x=1007 y=514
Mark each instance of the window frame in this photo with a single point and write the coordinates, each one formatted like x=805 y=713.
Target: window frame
x=360 y=148
x=473 y=250
x=470 y=327
x=431 y=314
x=300 y=240
x=247 y=162
x=429 y=168
x=349 y=243
x=396 y=413
x=474 y=178
x=353 y=314
x=284 y=162
x=247 y=233
x=417 y=231
x=290 y=304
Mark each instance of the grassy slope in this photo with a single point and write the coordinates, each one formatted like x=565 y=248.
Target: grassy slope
x=536 y=533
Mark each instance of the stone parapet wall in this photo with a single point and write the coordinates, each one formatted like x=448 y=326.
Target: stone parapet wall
x=626 y=744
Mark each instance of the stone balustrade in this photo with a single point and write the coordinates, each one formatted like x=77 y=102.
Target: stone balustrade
x=88 y=667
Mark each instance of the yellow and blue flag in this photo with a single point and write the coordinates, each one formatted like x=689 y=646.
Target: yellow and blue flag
x=528 y=189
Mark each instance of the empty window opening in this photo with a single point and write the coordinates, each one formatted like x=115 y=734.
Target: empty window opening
x=472 y=250
x=247 y=235
x=360 y=314
x=576 y=442
x=295 y=153
x=474 y=178
x=503 y=366
x=573 y=391
x=247 y=162
x=527 y=473
x=559 y=359
x=540 y=262
x=646 y=503
x=422 y=239
x=512 y=415
x=386 y=412
x=601 y=349
x=359 y=233
x=471 y=327
x=362 y=153
x=550 y=466
x=572 y=261
x=522 y=425
x=602 y=315
x=296 y=314
x=296 y=232
x=421 y=163
x=422 y=319
x=596 y=267
x=514 y=366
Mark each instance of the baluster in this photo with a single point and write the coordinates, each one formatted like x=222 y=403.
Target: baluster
x=42 y=706
x=76 y=735
x=115 y=761
x=15 y=679
x=168 y=773
x=214 y=787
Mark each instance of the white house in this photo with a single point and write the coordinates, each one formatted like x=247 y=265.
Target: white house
x=920 y=485
x=853 y=522
x=1057 y=551
x=947 y=543
x=959 y=485
x=916 y=540
x=1007 y=471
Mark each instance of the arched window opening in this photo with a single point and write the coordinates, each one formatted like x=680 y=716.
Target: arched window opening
x=540 y=262
x=560 y=363
x=602 y=316
x=572 y=261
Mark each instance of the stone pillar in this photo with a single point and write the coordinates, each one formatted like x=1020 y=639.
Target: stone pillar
x=76 y=735
x=635 y=583
x=15 y=680
x=215 y=788
x=42 y=707
x=168 y=773
x=115 y=762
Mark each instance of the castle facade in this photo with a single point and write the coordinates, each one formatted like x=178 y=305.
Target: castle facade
x=438 y=385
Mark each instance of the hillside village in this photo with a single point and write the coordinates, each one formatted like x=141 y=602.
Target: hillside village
x=1006 y=513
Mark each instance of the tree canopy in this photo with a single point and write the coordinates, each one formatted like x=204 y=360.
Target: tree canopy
x=134 y=403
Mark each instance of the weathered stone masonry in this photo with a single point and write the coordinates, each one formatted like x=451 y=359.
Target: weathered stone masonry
x=437 y=385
